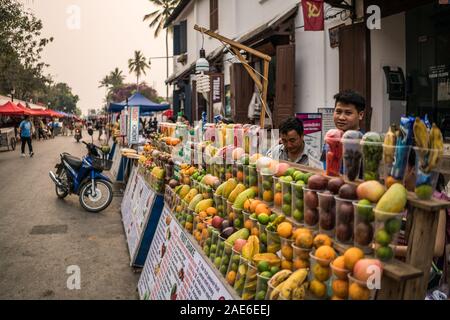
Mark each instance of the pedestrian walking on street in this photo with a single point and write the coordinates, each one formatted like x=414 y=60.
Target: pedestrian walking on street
x=25 y=135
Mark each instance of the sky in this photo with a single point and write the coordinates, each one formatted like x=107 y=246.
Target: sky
x=92 y=37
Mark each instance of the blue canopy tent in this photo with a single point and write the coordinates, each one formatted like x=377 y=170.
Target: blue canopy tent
x=138 y=100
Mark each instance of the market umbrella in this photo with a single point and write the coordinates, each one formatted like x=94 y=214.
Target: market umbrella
x=30 y=112
x=138 y=100
x=10 y=109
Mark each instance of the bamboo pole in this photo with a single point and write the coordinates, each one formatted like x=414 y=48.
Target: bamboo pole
x=264 y=94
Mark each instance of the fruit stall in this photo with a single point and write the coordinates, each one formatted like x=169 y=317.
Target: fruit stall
x=239 y=225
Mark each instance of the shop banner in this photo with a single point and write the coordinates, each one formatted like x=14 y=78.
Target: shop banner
x=137 y=204
x=312 y=123
x=116 y=162
x=133 y=133
x=175 y=270
x=123 y=123
x=313 y=15
x=327 y=120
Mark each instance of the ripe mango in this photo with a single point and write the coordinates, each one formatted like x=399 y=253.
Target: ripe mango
x=203 y=205
x=219 y=190
x=230 y=185
x=235 y=193
x=371 y=190
x=394 y=200
x=244 y=196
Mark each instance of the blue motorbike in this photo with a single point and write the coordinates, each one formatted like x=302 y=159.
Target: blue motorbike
x=84 y=177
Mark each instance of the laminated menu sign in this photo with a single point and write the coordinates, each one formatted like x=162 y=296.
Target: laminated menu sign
x=312 y=123
x=136 y=206
x=174 y=270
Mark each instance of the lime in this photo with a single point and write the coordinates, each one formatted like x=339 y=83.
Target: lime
x=245 y=160
x=263 y=238
x=263 y=218
x=287 y=179
x=273 y=216
x=365 y=210
x=274 y=270
x=287 y=198
x=307 y=176
x=206 y=250
x=213 y=248
x=234 y=266
x=253 y=216
x=267 y=185
x=212 y=256
x=263 y=266
x=385 y=253
x=253 y=181
x=393 y=226
x=298 y=175
x=297 y=215
x=424 y=192
x=223 y=270
x=383 y=238
x=278 y=187
x=299 y=204
x=237 y=223
x=286 y=209
x=289 y=172
x=236 y=258
x=217 y=262
x=189 y=218
x=261 y=295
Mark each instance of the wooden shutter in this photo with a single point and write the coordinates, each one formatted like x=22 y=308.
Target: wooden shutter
x=285 y=84
x=354 y=64
x=183 y=37
x=214 y=15
x=242 y=88
x=176 y=40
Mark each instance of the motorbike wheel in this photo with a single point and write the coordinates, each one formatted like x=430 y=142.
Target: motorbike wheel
x=59 y=192
x=102 y=198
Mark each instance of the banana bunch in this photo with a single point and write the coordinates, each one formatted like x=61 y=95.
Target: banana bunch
x=289 y=285
x=431 y=145
x=436 y=148
x=390 y=142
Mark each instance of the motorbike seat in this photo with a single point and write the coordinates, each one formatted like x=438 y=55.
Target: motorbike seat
x=74 y=162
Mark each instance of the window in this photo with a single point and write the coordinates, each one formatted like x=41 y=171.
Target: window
x=180 y=38
x=214 y=15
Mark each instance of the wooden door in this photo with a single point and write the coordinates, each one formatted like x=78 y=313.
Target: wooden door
x=354 y=64
x=285 y=84
x=242 y=88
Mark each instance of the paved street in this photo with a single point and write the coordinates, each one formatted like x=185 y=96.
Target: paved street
x=33 y=262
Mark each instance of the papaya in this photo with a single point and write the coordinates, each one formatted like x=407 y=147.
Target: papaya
x=244 y=196
x=272 y=259
x=195 y=201
x=394 y=200
x=241 y=234
x=219 y=190
x=203 y=205
x=230 y=185
x=238 y=190
x=191 y=194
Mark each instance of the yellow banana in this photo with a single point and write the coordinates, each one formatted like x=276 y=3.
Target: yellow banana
x=389 y=146
x=422 y=139
x=294 y=281
x=279 y=278
x=299 y=293
x=436 y=146
x=276 y=292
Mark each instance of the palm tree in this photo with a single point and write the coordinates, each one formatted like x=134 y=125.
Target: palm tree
x=116 y=78
x=105 y=83
x=138 y=65
x=159 y=18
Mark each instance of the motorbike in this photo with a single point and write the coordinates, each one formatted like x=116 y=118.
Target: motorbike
x=78 y=135
x=84 y=178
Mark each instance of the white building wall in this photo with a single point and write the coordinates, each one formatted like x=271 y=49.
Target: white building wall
x=388 y=48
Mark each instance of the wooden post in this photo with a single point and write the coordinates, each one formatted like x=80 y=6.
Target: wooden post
x=235 y=47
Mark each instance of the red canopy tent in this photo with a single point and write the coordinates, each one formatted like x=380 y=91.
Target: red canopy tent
x=10 y=109
x=30 y=112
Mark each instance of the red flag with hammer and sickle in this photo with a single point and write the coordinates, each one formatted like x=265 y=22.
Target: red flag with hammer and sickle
x=313 y=15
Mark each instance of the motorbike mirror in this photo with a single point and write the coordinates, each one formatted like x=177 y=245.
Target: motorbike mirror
x=90 y=132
